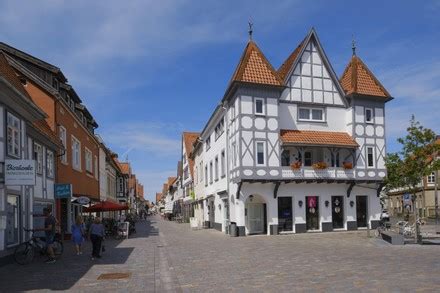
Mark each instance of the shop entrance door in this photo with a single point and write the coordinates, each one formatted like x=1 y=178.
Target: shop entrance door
x=211 y=214
x=312 y=213
x=338 y=212
x=285 y=219
x=361 y=210
x=226 y=216
x=255 y=218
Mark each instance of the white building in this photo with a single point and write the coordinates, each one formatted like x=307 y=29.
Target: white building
x=24 y=135
x=294 y=149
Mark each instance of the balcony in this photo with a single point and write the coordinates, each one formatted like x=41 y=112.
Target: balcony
x=310 y=173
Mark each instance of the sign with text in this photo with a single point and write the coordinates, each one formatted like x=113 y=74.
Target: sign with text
x=19 y=172
x=407 y=198
x=63 y=190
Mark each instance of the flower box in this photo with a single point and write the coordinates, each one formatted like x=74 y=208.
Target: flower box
x=319 y=166
x=347 y=165
x=296 y=165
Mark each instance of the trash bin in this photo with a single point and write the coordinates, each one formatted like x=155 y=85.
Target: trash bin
x=233 y=229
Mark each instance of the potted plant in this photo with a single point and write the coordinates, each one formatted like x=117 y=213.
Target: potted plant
x=319 y=166
x=296 y=165
x=347 y=165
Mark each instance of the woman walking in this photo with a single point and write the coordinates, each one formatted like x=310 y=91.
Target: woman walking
x=78 y=234
x=96 y=233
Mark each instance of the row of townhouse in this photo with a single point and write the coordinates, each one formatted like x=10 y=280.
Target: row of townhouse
x=290 y=150
x=43 y=121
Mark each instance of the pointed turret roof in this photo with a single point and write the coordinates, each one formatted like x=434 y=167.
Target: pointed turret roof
x=358 y=79
x=255 y=68
x=284 y=69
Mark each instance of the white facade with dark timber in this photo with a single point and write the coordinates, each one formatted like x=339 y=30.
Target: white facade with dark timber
x=304 y=149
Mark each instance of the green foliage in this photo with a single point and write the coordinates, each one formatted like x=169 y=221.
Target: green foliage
x=416 y=160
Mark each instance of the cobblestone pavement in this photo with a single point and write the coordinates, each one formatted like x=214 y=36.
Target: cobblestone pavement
x=167 y=256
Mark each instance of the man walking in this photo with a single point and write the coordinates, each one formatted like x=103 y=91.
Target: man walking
x=49 y=230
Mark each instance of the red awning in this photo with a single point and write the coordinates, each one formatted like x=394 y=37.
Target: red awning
x=105 y=206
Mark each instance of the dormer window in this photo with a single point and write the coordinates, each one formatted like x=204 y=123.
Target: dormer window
x=369 y=115
x=259 y=106
x=55 y=83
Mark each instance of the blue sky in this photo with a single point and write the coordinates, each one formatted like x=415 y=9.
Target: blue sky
x=148 y=70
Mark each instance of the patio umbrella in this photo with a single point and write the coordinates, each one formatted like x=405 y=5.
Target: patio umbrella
x=105 y=206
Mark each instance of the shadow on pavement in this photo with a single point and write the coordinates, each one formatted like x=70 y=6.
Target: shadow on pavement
x=69 y=268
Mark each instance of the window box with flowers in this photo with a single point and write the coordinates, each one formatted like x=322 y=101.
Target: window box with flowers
x=319 y=166
x=347 y=165
x=296 y=165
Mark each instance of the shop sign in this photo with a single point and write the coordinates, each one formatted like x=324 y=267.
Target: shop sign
x=20 y=172
x=407 y=198
x=83 y=200
x=63 y=190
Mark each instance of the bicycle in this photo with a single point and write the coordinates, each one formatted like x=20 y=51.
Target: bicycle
x=383 y=226
x=25 y=252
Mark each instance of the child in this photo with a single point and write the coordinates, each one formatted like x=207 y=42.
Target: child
x=78 y=234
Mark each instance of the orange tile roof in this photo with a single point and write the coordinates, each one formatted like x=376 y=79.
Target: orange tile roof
x=158 y=197
x=44 y=128
x=358 y=79
x=287 y=65
x=8 y=73
x=317 y=138
x=254 y=67
x=165 y=189
x=188 y=139
x=125 y=167
x=171 y=180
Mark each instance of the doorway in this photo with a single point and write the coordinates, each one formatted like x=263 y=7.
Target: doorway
x=285 y=217
x=312 y=213
x=226 y=215
x=211 y=210
x=361 y=211
x=255 y=213
x=338 y=212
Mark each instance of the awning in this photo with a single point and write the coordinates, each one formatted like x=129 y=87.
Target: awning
x=105 y=206
x=317 y=138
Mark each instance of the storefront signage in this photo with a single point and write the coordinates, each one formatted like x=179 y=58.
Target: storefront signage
x=407 y=198
x=63 y=190
x=83 y=200
x=19 y=172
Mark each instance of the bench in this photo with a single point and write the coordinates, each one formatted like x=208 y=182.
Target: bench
x=393 y=238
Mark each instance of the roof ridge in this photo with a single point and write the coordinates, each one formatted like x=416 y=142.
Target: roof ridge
x=287 y=64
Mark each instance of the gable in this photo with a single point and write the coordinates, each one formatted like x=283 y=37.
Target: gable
x=312 y=79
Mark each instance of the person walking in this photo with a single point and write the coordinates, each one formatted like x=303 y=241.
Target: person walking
x=78 y=234
x=49 y=231
x=96 y=235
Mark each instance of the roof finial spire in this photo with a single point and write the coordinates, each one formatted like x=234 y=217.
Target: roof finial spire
x=353 y=45
x=251 y=30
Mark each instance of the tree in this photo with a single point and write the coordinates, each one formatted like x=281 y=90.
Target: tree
x=417 y=159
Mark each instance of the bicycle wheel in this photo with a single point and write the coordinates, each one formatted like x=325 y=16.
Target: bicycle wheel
x=58 y=247
x=24 y=253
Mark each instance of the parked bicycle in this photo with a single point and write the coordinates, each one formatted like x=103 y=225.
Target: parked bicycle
x=25 y=252
x=383 y=226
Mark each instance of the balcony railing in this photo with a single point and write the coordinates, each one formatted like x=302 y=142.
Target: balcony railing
x=310 y=173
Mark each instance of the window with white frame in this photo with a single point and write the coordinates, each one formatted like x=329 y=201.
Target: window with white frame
x=259 y=106
x=368 y=115
x=216 y=168
x=431 y=178
x=222 y=164
x=210 y=172
x=76 y=153
x=234 y=155
x=49 y=164
x=96 y=168
x=12 y=229
x=219 y=129
x=208 y=143
x=13 y=128
x=260 y=153
x=89 y=160
x=370 y=156
x=311 y=114
x=63 y=138
x=206 y=175
x=38 y=157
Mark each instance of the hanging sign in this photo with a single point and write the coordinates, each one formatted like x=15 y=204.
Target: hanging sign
x=63 y=190
x=407 y=198
x=83 y=200
x=20 y=172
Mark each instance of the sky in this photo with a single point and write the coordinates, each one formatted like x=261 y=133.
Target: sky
x=148 y=70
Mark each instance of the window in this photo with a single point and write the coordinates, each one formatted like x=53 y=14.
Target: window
x=49 y=164
x=216 y=168
x=76 y=153
x=184 y=159
x=13 y=135
x=285 y=158
x=370 y=157
x=222 y=164
x=185 y=173
x=219 y=129
x=38 y=157
x=206 y=175
x=234 y=155
x=335 y=159
x=55 y=83
x=12 y=219
x=63 y=138
x=260 y=151
x=210 y=172
x=311 y=114
x=431 y=178
x=368 y=115
x=89 y=162
x=201 y=172
x=232 y=113
x=307 y=158
x=96 y=168
x=259 y=106
x=208 y=143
